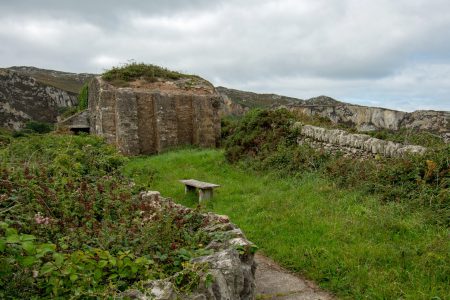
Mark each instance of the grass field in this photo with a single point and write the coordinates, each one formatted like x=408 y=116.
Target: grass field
x=349 y=243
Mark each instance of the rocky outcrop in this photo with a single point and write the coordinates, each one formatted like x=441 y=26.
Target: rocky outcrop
x=362 y=145
x=150 y=117
x=363 y=118
x=23 y=98
x=371 y=118
x=66 y=81
x=231 y=264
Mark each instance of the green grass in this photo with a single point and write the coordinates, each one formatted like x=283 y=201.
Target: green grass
x=133 y=71
x=349 y=243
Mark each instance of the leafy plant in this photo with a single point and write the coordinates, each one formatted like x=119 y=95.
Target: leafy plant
x=38 y=127
x=83 y=98
x=65 y=194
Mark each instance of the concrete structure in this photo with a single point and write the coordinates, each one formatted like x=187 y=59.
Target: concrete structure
x=147 y=118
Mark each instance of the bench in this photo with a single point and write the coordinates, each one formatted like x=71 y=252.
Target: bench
x=205 y=188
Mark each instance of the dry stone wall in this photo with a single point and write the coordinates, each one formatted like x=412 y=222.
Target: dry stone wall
x=151 y=120
x=361 y=145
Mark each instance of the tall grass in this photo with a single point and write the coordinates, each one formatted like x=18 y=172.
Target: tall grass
x=349 y=243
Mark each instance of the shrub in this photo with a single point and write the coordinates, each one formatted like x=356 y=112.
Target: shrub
x=38 y=127
x=73 y=226
x=259 y=133
x=133 y=71
x=83 y=98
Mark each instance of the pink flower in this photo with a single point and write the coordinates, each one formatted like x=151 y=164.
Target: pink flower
x=39 y=219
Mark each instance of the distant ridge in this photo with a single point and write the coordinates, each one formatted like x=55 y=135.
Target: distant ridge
x=255 y=100
x=69 y=82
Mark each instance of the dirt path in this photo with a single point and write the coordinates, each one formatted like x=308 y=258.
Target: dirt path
x=275 y=283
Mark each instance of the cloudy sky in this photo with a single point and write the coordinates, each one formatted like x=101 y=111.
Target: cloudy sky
x=385 y=53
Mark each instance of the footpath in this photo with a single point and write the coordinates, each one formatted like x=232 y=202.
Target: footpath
x=275 y=283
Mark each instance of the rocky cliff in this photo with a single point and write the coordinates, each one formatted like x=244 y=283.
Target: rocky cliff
x=235 y=102
x=23 y=98
x=149 y=117
x=69 y=82
x=371 y=118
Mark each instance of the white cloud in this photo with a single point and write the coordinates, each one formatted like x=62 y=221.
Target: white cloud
x=395 y=53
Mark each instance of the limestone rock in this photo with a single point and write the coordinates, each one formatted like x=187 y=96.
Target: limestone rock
x=23 y=98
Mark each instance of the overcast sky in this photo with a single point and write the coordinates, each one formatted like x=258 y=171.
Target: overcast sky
x=386 y=53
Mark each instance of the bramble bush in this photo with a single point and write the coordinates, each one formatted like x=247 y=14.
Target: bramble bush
x=266 y=140
x=71 y=225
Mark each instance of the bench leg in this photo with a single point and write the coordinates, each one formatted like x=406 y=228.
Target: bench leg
x=189 y=189
x=205 y=194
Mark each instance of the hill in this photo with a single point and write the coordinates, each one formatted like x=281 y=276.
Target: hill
x=29 y=93
x=362 y=118
x=69 y=82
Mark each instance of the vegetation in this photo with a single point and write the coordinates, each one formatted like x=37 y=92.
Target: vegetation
x=346 y=240
x=82 y=102
x=264 y=140
x=409 y=136
x=71 y=225
x=83 y=98
x=38 y=127
x=133 y=71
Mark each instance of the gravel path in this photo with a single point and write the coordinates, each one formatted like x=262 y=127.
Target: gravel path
x=275 y=283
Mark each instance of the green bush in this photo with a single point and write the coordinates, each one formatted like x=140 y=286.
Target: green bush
x=259 y=133
x=409 y=136
x=38 y=127
x=133 y=71
x=83 y=98
x=73 y=226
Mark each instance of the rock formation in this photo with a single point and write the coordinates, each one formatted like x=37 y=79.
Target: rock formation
x=371 y=118
x=28 y=93
x=235 y=102
x=23 y=98
x=233 y=271
x=150 y=117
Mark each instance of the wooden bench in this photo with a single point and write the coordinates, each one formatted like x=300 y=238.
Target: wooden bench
x=205 y=188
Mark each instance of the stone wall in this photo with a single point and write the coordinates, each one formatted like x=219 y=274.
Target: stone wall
x=361 y=145
x=233 y=271
x=153 y=119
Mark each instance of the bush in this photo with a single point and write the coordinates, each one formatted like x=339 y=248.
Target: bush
x=83 y=98
x=71 y=225
x=133 y=71
x=259 y=133
x=38 y=127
